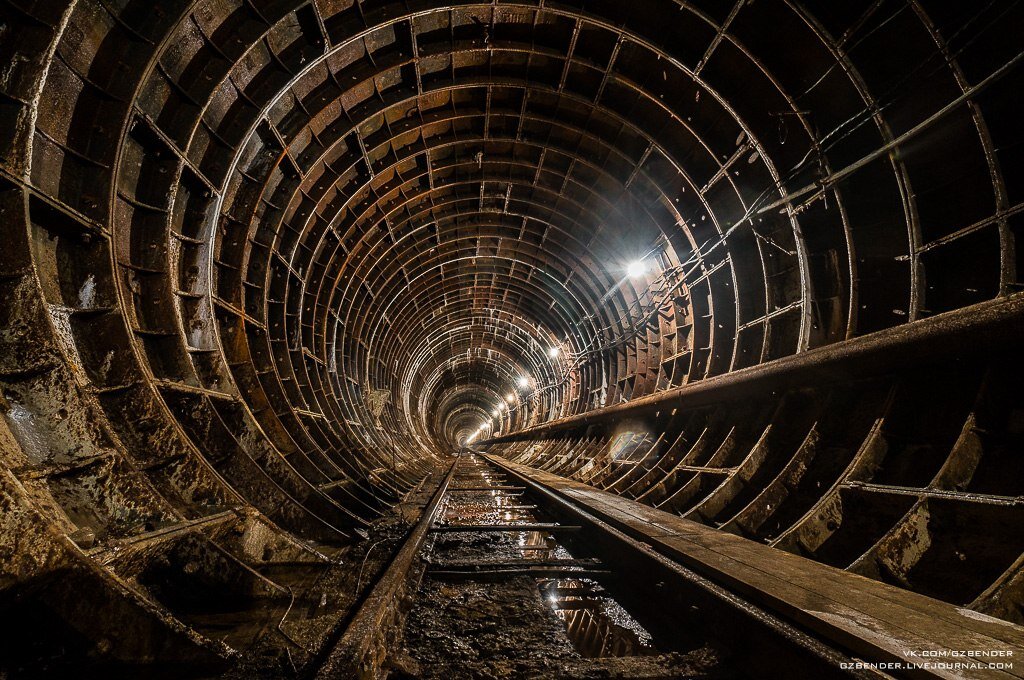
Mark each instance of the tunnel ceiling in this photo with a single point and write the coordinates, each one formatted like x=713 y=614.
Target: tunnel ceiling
x=281 y=255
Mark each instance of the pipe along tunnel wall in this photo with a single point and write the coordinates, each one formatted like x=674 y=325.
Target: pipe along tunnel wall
x=266 y=264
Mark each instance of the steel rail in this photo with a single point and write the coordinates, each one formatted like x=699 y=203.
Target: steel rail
x=772 y=645
x=829 y=611
x=768 y=641
x=362 y=646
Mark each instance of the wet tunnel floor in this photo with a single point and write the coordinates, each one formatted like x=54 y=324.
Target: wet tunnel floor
x=517 y=604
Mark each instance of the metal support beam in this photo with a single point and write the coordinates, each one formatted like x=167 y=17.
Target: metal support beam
x=968 y=332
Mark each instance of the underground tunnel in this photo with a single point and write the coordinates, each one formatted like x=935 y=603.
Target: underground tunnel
x=511 y=339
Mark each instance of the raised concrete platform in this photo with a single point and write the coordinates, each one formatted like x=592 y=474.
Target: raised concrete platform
x=874 y=621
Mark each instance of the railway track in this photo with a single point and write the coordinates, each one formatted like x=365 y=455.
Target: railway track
x=504 y=577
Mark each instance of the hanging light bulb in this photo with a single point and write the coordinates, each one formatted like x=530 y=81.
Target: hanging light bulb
x=636 y=268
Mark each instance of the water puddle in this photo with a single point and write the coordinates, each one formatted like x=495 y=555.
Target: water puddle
x=596 y=624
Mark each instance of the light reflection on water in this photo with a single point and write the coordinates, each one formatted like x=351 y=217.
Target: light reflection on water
x=596 y=624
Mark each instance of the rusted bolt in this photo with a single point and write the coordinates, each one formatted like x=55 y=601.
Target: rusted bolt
x=85 y=538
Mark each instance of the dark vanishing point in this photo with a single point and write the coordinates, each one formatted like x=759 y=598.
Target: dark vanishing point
x=506 y=339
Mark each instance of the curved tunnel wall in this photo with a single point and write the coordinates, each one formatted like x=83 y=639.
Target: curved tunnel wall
x=271 y=260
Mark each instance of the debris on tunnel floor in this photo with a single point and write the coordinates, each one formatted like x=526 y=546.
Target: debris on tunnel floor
x=474 y=617
x=505 y=630
x=288 y=651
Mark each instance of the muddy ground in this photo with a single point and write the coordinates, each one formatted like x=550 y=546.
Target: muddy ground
x=504 y=630
x=468 y=627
